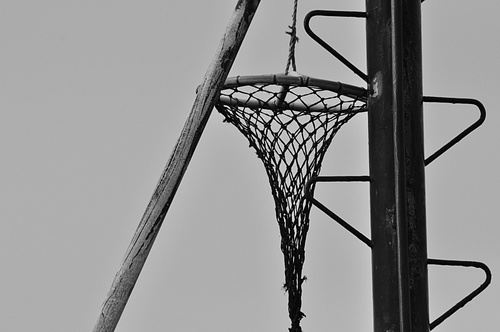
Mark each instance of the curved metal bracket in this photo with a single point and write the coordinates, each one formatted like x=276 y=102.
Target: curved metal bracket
x=327 y=47
x=469 y=297
x=309 y=190
x=467 y=131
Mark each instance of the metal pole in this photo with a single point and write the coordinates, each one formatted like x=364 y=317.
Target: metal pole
x=415 y=165
x=391 y=303
x=397 y=189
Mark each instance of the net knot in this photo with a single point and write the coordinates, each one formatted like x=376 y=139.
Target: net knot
x=293 y=34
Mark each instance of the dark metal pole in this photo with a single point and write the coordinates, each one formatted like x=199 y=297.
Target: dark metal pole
x=387 y=167
x=415 y=165
x=397 y=191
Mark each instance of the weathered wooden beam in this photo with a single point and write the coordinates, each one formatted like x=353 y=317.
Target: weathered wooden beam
x=150 y=224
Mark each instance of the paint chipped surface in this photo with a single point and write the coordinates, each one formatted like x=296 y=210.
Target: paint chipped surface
x=376 y=86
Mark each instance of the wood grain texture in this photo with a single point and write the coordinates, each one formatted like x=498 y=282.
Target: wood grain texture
x=207 y=94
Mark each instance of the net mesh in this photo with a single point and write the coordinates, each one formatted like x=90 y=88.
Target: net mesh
x=290 y=122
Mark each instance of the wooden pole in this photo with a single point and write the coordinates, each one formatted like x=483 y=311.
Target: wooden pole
x=150 y=224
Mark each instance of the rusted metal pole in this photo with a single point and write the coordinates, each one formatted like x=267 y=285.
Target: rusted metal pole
x=397 y=189
x=144 y=237
x=391 y=303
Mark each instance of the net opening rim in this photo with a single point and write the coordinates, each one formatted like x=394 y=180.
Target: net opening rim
x=297 y=80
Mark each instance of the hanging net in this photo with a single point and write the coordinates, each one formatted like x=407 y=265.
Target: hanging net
x=290 y=122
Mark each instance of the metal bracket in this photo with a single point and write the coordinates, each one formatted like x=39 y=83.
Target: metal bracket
x=469 y=297
x=467 y=131
x=309 y=191
x=331 y=50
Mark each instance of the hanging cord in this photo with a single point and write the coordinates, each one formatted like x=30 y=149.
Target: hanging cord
x=293 y=40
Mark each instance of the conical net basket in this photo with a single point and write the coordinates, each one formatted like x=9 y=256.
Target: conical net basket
x=290 y=121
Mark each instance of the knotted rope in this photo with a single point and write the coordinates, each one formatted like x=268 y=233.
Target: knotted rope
x=293 y=40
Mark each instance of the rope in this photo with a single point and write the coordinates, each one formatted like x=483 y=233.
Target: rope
x=293 y=40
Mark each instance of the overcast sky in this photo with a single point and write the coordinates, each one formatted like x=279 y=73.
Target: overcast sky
x=93 y=96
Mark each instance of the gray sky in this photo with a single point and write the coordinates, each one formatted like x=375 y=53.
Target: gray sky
x=93 y=95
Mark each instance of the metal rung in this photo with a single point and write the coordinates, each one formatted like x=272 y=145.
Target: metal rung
x=331 y=50
x=467 y=131
x=469 y=297
x=309 y=196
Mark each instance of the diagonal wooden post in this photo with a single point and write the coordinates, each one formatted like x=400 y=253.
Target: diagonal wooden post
x=150 y=224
